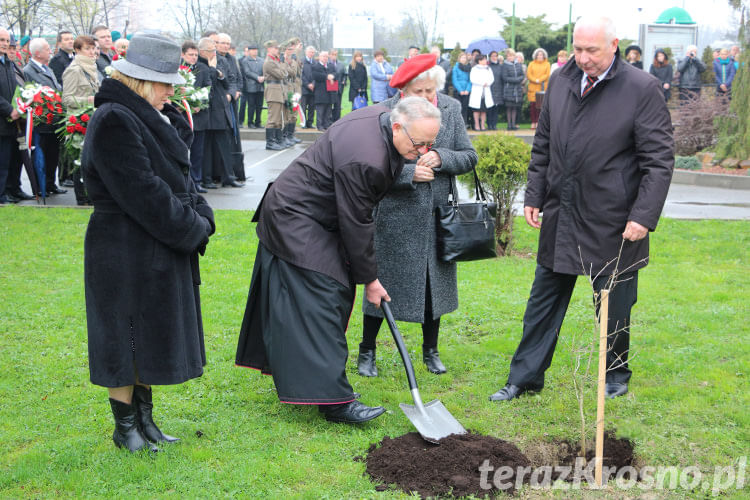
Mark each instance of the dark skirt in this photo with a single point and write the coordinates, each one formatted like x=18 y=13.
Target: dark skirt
x=294 y=329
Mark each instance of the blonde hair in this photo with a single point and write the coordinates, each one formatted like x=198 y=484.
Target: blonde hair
x=143 y=88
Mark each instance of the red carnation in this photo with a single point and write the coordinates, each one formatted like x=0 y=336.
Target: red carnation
x=37 y=98
x=58 y=98
x=83 y=131
x=79 y=128
x=70 y=129
x=50 y=106
x=73 y=119
x=85 y=117
x=38 y=111
x=58 y=108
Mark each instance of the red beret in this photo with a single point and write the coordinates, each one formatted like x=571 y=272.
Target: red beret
x=411 y=68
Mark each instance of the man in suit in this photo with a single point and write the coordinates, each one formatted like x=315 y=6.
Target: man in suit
x=323 y=75
x=341 y=73
x=64 y=56
x=8 y=114
x=604 y=140
x=45 y=138
x=103 y=36
x=308 y=87
x=201 y=71
x=218 y=140
x=252 y=87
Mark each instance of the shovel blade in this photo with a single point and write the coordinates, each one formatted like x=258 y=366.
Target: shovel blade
x=435 y=423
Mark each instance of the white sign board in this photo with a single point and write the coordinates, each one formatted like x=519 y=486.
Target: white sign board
x=353 y=32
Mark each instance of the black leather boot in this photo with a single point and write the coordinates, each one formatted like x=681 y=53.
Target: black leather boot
x=280 y=138
x=295 y=140
x=287 y=141
x=144 y=408
x=366 y=363
x=431 y=358
x=271 y=140
x=127 y=433
x=351 y=413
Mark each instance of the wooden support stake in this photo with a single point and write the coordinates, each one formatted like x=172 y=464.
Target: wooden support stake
x=601 y=383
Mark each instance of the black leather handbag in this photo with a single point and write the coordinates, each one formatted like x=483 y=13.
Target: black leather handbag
x=466 y=231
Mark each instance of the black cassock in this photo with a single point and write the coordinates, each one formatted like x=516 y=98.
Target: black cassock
x=316 y=243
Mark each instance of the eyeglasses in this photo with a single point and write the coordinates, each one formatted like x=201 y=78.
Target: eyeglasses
x=418 y=145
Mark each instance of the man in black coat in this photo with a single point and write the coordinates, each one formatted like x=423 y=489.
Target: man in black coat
x=340 y=70
x=45 y=138
x=316 y=234
x=307 y=101
x=252 y=87
x=103 y=36
x=324 y=74
x=8 y=115
x=217 y=159
x=231 y=68
x=600 y=170
x=64 y=56
x=202 y=74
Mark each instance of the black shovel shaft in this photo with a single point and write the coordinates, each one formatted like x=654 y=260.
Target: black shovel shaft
x=400 y=344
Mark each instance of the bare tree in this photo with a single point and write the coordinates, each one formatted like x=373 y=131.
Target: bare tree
x=21 y=14
x=420 y=24
x=194 y=17
x=82 y=15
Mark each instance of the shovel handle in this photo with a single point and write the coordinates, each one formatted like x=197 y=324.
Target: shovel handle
x=400 y=344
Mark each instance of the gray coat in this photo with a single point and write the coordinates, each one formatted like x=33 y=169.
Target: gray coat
x=251 y=70
x=405 y=225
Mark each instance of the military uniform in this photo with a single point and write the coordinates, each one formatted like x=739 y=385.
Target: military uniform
x=293 y=85
x=274 y=74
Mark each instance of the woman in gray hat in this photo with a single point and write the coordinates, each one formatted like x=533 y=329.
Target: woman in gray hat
x=143 y=240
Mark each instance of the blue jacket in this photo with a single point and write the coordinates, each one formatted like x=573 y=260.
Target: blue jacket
x=379 y=81
x=460 y=79
x=724 y=75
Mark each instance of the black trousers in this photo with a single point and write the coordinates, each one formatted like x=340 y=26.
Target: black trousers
x=493 y=115
x=196 y=155
x=253 y=103
x=51 y=150
x=308 y=107
x=217 y=159
x=7 y=143
x=545 y=311
x=464 y=100
x=336 y=109
x=324 y=115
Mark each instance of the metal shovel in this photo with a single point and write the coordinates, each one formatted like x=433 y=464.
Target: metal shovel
x=432 y=420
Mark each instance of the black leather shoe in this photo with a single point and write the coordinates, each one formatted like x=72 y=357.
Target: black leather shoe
x=351 y=413
x=615 y=389
x=233 y=184
x=199 y=189
x=209 y=185
x=67 y=183
x=21 y=195
x=127 y=432
x=431 y=358
x=511 y=391
x=144 y=408
x=366 y=363
x=56 y=190
x=9 y=198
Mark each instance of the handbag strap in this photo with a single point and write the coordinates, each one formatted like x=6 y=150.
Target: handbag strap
x=479 y=195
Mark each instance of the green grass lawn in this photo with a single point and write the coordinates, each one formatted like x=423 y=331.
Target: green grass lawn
x=688 y=403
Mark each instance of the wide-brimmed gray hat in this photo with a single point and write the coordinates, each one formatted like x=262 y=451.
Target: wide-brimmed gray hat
x=153 y=58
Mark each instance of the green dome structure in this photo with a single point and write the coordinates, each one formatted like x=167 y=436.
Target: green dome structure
x=675 y=15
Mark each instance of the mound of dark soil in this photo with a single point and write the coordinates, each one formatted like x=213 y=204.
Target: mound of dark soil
x=452 y=467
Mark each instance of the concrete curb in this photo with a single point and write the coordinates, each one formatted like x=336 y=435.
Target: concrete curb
x=679 y=177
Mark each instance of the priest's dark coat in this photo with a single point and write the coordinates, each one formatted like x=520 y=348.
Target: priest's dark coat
x=142 y=242
x=316 y=234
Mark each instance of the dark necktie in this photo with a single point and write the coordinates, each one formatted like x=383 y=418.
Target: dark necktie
x=590 y=81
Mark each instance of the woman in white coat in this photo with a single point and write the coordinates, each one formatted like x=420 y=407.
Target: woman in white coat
x=480 y=99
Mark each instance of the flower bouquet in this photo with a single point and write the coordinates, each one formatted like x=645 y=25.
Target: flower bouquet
x=40 y=104
x=292 y=102
x=73 y=131
x=187 y=97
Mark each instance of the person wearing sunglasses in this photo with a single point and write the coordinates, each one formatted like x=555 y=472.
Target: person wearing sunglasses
x=423 y=288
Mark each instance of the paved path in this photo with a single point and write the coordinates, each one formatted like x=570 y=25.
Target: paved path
x=683 y=202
